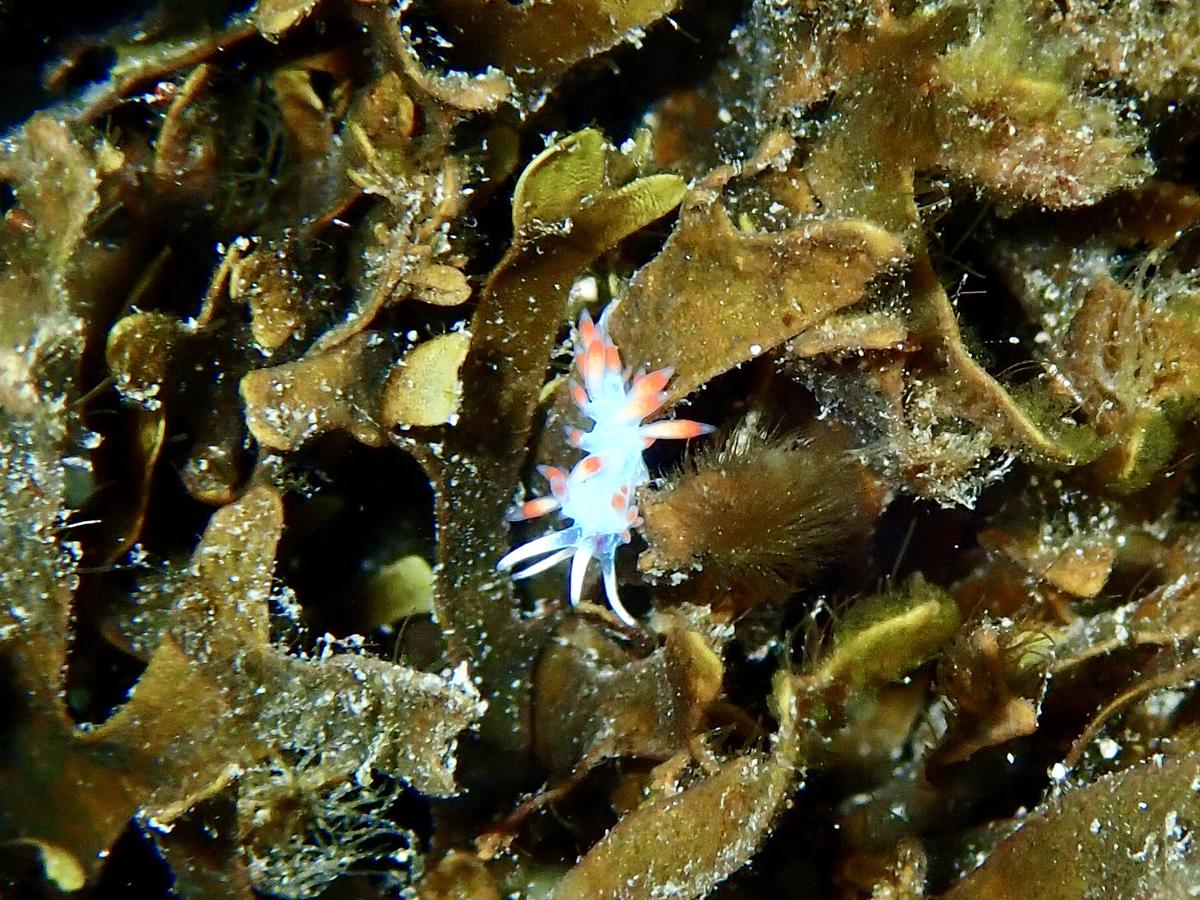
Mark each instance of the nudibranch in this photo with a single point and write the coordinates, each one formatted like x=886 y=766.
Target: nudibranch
x=599 y=494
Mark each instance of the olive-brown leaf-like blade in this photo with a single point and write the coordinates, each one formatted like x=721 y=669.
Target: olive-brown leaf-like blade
x=684 y=845
x=537 y=42
x=1128 y=834
x=716 y=296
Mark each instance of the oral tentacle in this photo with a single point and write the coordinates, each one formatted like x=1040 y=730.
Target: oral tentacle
x=542 y=565
x=579 y=564
x=568 y=537
x=608 y=569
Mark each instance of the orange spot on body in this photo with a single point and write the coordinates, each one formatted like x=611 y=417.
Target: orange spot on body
x=531 y=509
x=557 y=479
x=590 y=466
x=652 y=383
x=587 y=328
x=593 y=364
x=612 y=359
x=538 y=507
x=677 y=429
x=641 y=405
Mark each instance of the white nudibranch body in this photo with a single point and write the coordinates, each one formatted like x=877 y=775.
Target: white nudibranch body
x=598 y=495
